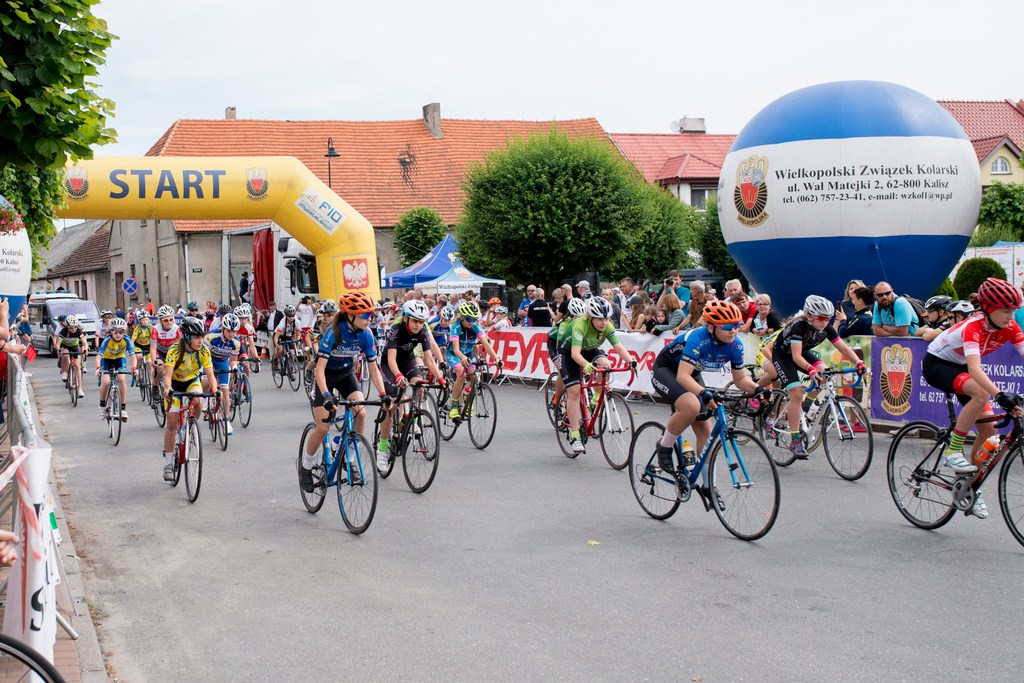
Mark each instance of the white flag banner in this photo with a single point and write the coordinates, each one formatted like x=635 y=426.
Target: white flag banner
x=30 y=614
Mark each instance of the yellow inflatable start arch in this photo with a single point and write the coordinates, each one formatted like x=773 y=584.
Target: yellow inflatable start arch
x=281 y=189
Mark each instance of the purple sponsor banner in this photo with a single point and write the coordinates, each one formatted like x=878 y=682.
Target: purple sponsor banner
x=900 y=393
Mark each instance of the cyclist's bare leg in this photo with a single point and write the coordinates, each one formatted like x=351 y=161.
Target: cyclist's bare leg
x=573 y=407
x=977 y=406
x=104 y=387
x=796 y=398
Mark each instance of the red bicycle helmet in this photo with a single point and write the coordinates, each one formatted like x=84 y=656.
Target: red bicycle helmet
x=355 y=303
x=995 y=293
x=718 y=312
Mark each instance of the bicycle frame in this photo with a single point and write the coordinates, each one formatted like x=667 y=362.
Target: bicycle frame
x=599 y=380
x=332 y=462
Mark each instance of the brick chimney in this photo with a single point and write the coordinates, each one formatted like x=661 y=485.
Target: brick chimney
x=432 y=119
x=229 y=113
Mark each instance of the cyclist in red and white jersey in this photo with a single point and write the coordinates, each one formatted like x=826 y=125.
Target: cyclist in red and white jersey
x=953 y=364
x=165 y=333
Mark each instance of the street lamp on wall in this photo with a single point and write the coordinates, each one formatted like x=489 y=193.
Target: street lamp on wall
x=331 y=153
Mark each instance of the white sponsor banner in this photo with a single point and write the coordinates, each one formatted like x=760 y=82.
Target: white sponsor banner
x=524 y=353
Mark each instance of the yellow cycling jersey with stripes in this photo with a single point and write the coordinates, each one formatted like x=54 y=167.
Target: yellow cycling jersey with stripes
x=188 y=365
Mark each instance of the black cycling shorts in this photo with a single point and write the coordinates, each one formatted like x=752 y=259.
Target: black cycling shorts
x=789 y=373
x=665 y=382
x=411 y=370
x=946 y=376
x=571 y=370
x=344 y=381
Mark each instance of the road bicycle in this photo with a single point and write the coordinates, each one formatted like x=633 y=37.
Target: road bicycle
x=414 y=437
x=479 y=409
x=241 y=395
x=144 y=379
x=287 y=366
x=604 y=415
x=188 y=445
x=73 y=371
x=928 y=494
x=19 y=662
x=112 y=411
x=744 y=485
x=838 y=422
x=344 y=461
x=216 y=416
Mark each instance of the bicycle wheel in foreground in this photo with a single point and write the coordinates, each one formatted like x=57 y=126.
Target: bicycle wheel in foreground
x=549 y=396
x=562 y=428
x=114 y=405
x=244 y=404
x=1011 y=493
x=773 y=428
x=447 y=425
x=846 y=434
x=277 y=372
x=18 y=662
x=193 y=460
x=922 y=496
x=358 y=501
x=749 y=487
x=421 y=450
x=484 y=417
x=222 y=425
x=616 y=430
x=654 y=490
x=313 y=500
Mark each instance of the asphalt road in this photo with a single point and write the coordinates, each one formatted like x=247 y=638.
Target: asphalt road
x=518 y=563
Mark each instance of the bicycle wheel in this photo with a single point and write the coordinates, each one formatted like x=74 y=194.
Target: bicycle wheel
x=210 y=415
x=73 y=387
x=748 y=488
x=562 y=429
x=222 y=422
x=244 y=405
x=18 y=662
x=484 y=416
x=445 y=423
x=358 y=501
x=654 y=489
x=421 y=450
x=616 y=430
x=313 y=500
x=193 y=460
x=277 y=372
x=159 y=412
x=114 y=404
x=741 y=420
x=921 y=493
x=846 y=434
x=294 y=373
x=549 y=396
x=773 y=428
x=1011 y=493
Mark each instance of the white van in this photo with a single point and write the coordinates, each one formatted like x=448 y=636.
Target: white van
x=45 y=307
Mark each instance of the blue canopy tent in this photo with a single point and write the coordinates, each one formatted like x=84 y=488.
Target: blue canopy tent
x=433 y=265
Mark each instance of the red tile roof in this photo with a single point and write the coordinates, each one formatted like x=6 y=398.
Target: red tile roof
x=689 y=167
x=385 y=167
x=649 y=152
x=91 y=256
x=987 y=119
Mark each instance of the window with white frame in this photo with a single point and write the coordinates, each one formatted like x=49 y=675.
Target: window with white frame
x=1000 y=166
x=699 y=196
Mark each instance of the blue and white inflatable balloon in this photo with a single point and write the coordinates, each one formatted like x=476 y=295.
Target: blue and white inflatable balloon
x=851 y=180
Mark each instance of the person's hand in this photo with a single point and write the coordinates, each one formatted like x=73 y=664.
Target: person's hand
x=760 y=390
x=588 y=368
x=812 y=371
x=8 y=547
x=633 y=365
x=840 y=315
x=385 y=401
x=501 y=364
x=1006 y=401
x=328 y=400
x=861 y=369
x=5 y=307
x=400 y=380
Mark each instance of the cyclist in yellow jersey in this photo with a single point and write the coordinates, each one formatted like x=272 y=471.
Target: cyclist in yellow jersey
x=113 y=354
x=142 y=335
x=187 y=361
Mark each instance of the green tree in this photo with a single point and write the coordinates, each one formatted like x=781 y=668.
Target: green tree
x=36 y=195
x=714 y=254
x=661 y=241
x=1002 y=206
x=50 y=51
x=973 y=272
x=987 y=235
x=549 y=205
x=417 y=232
x=946 y=289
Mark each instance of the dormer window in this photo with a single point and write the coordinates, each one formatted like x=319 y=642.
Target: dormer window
x=1000 y=166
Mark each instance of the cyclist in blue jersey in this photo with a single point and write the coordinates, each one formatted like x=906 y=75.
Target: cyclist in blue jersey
x=335 y=370
x=466 y=333
x=114 y=353
x=224 y=351
x=440 y=327
x=677 y=376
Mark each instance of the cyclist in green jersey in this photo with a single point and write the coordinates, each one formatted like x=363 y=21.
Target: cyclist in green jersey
x=587 y=334
x=558 y=335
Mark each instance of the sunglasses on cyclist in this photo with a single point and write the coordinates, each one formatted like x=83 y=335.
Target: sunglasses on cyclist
x=728 y=327
x=365 y=316
x=821 y=318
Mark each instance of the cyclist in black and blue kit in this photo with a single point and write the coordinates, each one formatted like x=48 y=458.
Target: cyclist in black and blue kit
x=335 y=370
x=677 y=376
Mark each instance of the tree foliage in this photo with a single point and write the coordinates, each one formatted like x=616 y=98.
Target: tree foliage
x=987 y=235
x=36 y=196
x=549 y=205
x=973 y=272
x=417 y=232
x=50 y=51
x=661 y=241
x=714 y=254
x=1002 y=206
x=946 y=289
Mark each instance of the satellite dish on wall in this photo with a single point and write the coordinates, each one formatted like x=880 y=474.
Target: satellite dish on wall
x=675 y=126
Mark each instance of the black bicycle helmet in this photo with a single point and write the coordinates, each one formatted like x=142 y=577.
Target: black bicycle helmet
x=192 y=327
x=937 y=302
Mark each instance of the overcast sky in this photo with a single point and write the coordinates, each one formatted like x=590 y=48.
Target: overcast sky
x=634 y=65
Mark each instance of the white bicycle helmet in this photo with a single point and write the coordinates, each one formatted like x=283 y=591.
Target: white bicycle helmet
x=818 y=305
x=503 y=310
x=577 y=307
x=164 y=311
x=960 y=306
x=448 y=313
x=231 y=322
x=598 y=308
x=243 y=311
x=119 y=324
x=328 y=307
x=416 y=309
x=71 y=321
